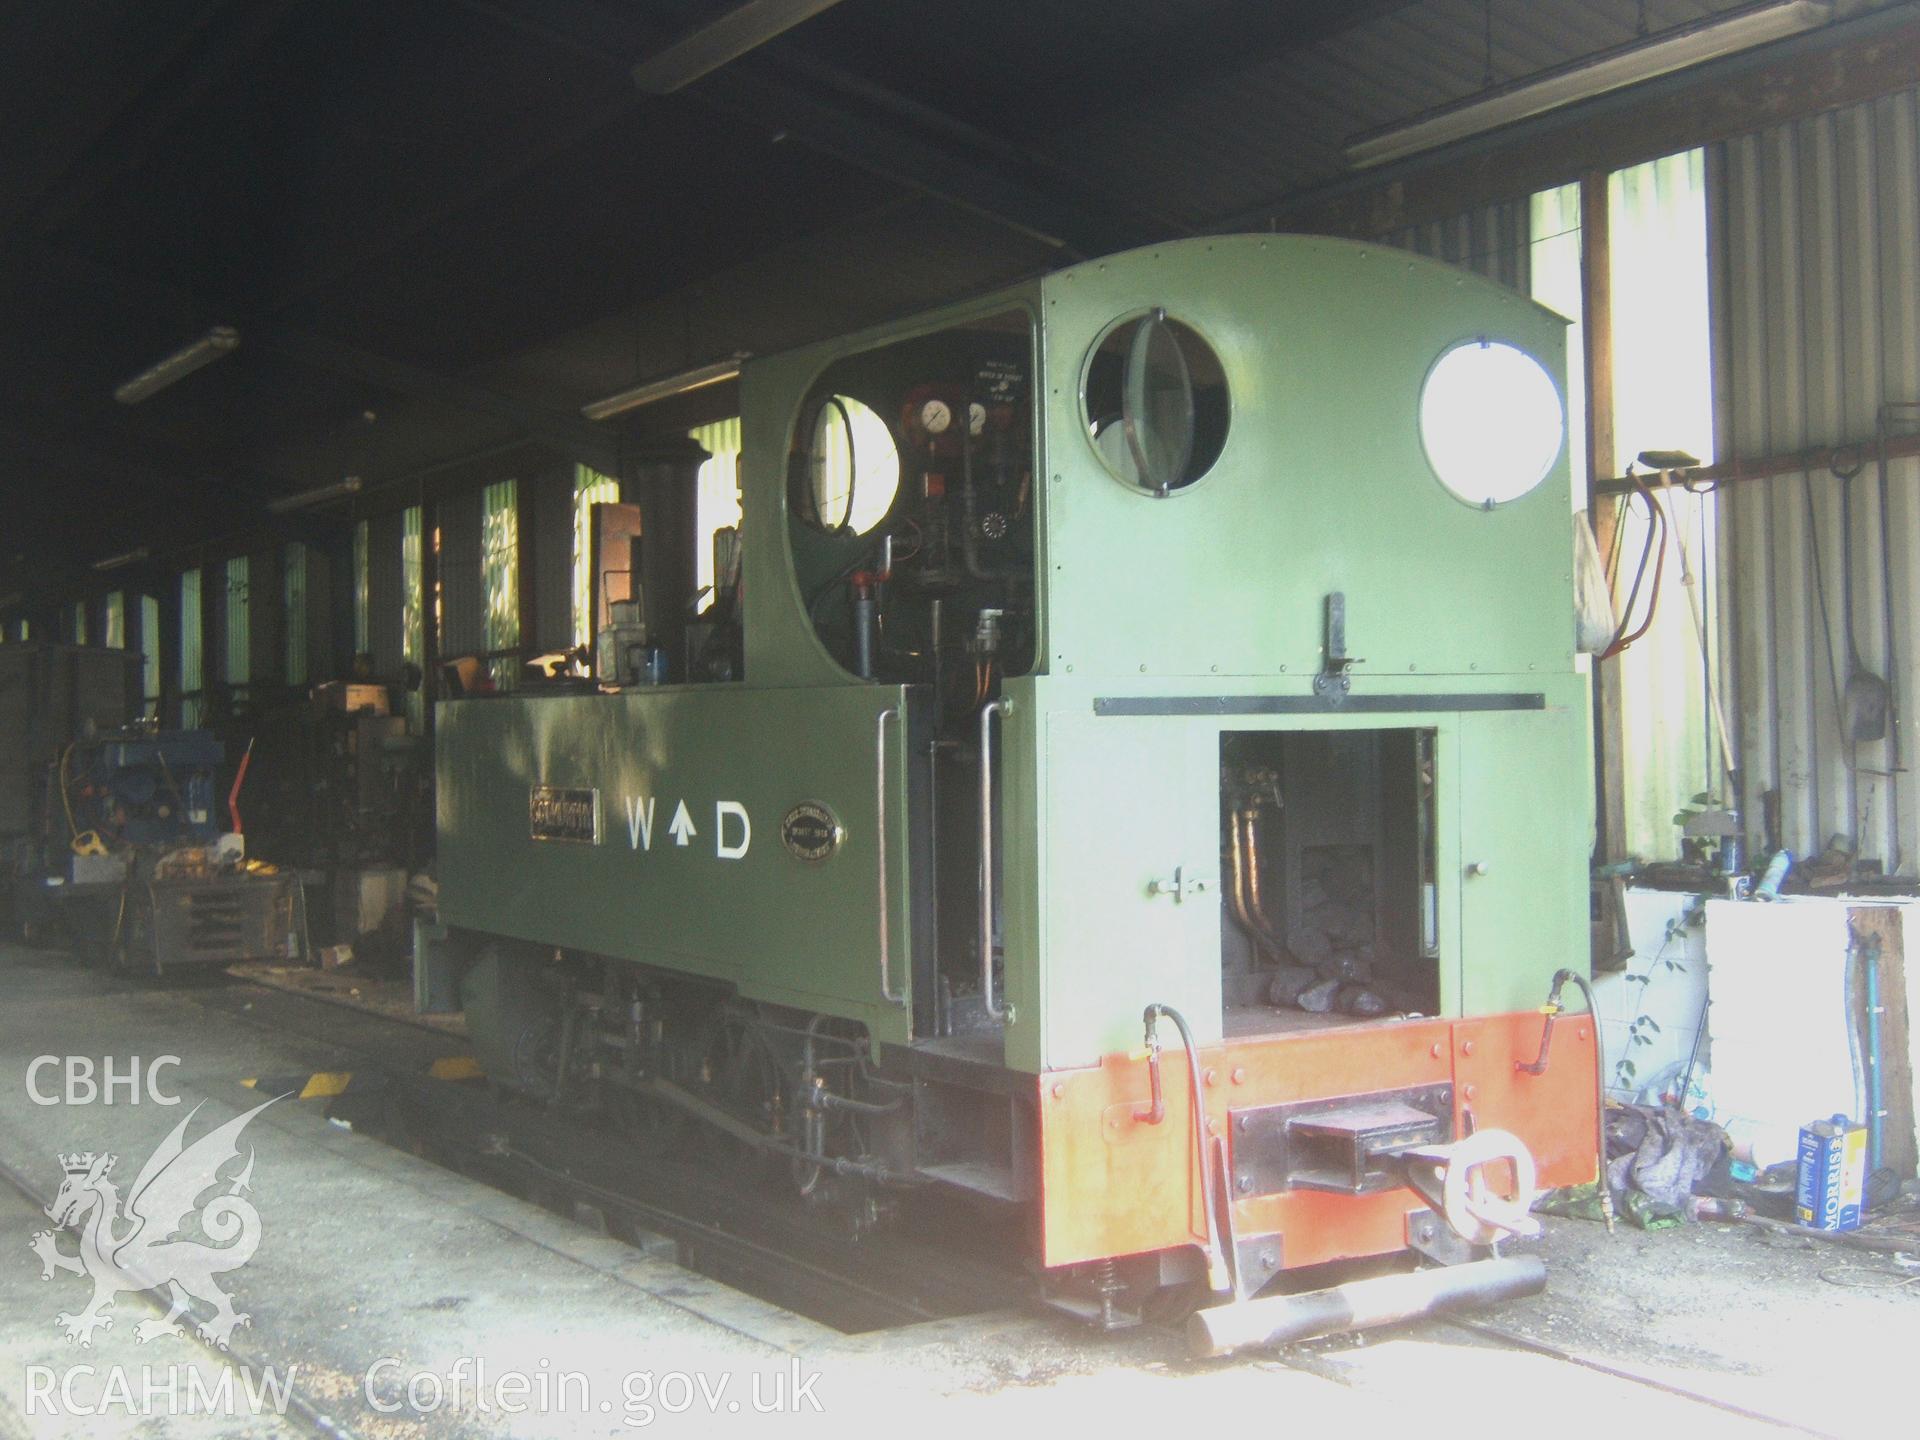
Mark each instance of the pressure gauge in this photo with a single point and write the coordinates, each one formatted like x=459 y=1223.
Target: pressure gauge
x=976 y=418
x=935 y=417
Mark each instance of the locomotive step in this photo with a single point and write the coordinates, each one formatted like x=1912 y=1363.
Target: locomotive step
x=996 y=1182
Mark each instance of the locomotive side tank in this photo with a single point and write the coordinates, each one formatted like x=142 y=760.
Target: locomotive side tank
x=1181 y=642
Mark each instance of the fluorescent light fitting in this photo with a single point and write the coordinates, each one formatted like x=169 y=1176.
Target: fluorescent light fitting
x=320 y=495
x=120 y=562
x=745 y=27
x=665 y=389
x=1728 y=33
x=221 y=340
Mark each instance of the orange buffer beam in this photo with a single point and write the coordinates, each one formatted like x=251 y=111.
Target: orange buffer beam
x=1113 y=1185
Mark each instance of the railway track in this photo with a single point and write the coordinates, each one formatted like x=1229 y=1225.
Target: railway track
x=1529 y=1344
x=753 y=1237
x=737 y=1230
x=767 y=1244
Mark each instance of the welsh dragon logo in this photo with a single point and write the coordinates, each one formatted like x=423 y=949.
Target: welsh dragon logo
x=143 y=1242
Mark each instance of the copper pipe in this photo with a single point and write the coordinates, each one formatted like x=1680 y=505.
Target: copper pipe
x=1265 y=923
x=1251 y=818
x=1238 y=893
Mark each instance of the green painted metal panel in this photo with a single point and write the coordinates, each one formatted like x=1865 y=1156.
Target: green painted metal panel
x=1527 y=914
x=797 y=932
x=1129 y=798
x=1323 y=484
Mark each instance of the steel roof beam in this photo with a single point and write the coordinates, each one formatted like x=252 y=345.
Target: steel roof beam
x=37 y=162
x=761 y=91
x=594 y=443
x=1233 y=40
x=722 y=41
x=1033 y=205
x=218 y=51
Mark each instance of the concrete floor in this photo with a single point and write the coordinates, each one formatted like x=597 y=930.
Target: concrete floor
x=374 y=1261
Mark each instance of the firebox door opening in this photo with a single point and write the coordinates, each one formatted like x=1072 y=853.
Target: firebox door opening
x=1327 y=854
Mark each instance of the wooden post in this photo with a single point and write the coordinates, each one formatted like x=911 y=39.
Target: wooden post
x=1596 y=328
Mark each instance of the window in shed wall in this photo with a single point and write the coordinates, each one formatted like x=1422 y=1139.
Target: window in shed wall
x=590 y=488
x=413 y=610
x=113 y=620
x=717 y=499
x=1663 y=400
x=239 y=657
x=500 y=578
x=192 y=668
x=77 y=623
x=150 y=648
x=294 y=593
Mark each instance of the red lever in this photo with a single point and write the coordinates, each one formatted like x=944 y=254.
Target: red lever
x=233 y=795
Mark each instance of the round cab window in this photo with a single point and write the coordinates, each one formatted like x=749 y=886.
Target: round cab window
x=1155 y=403
x=1491 y=421
x=852 y=469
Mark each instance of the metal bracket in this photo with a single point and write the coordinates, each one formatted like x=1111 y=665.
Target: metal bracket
x=1333 y=682
x=1257 y=1259
x=1430 y=1236
x=1181 y=885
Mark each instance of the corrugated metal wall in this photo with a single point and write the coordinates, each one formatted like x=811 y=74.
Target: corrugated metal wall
x=1494 y=241
x=1815 y=244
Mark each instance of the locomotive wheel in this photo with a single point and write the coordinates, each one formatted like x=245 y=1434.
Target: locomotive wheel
x=739 y=1073
x=534 y=1064
x=1172 y=1304
x=513 y=1019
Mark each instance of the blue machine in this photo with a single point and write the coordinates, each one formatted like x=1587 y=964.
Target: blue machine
x=143 y=787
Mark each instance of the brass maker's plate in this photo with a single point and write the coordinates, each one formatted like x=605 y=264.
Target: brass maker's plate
x=555 y=812
x=811 y=832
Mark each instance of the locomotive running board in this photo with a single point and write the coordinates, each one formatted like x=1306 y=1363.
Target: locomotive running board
x=1359 y=1304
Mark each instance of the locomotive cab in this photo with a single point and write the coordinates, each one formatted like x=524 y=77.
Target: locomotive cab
x=1150 y=800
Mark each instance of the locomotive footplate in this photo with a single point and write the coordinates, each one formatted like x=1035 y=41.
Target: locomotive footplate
x=1348 y=1145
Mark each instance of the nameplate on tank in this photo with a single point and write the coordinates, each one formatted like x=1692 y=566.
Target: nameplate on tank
x=555 y=812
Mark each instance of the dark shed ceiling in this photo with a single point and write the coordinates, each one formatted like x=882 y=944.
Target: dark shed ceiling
x=463 y=219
